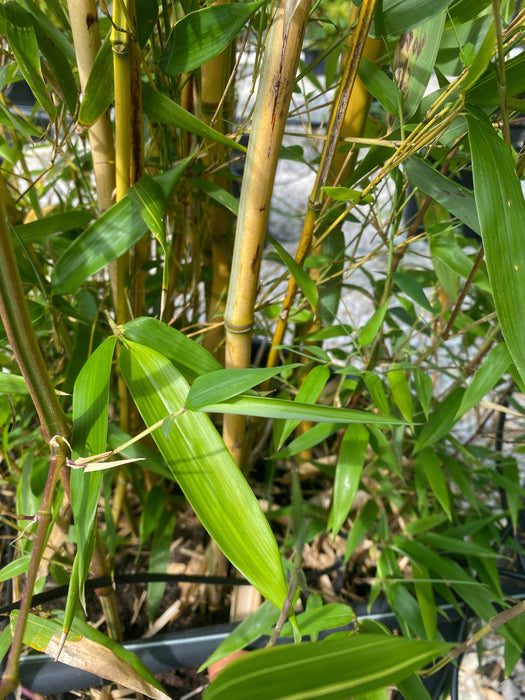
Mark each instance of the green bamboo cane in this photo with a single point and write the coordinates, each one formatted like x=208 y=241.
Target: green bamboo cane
x=53 y=422
x=276 y=84
x=315 y=200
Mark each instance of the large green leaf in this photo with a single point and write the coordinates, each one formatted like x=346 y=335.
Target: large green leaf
x=334 y=669
x=12 y=384
x=204 y=469
x=99 y=90
x=107 y=238
x=201 y=35
x=38 y=231
x=501 y=211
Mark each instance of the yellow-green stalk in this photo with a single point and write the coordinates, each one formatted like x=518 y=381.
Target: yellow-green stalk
x=277 y=79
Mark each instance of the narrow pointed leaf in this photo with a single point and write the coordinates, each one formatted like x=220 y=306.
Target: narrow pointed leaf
x=99 y=90
x=205 y=470
x=401 y=392
x=414 y=60
x=431 y=465
x=201 y=35
x=501 y=210
x=216 y=193
x=224 y=383
x=350 y=463
x=395 y=17
x=455 y=198
x=159 y=107
x=23 y=43
x=321 y=618
x=90 y=426
x=441 y=421
x=380 y=86
x=312 y=437
x=38 y=231
x=488 y=375
x=148 y=199
x=303 y=279
x=309 y=391
x=264 y=407
x=322 y=669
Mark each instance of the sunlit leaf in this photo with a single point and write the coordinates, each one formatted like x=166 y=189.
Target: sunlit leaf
x=15 y=568
x=205 y=470
x=321 y=618
x=98 y=93
x=190 y=358
x=265 y=407
x=160 y=108
x=401 y=392
x=224 y=383
x=251 y=628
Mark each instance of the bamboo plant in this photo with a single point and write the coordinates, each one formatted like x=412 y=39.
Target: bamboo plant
x=398 y=480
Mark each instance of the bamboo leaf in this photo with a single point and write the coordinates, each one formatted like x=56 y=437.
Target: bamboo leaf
x=148 y=199
x=321 y=669
x=90 y=650
x=321 y=618
x=107 y=238
x=303 y=279
x=345 y=194
x=309 y=391
x=481 y=61
x=99 y=90
x=265 y=407
x=350 y=463
x=159 y=559
x=312 y=437
x=12 y=384
x=455 y=198
x=90 y=427
x=395 y=17
x=501 y=210
x=23 y=43
x=201 y=35
x=38 y=231
x=217 y=193
x=441 y=421
x=401 y=392
x=371 y=328
x=414 y=60
x=431 y=466
x=224 y=383
x=205 y=470
x=380 y=86
x=160 y=108
x=15 y=568
x=251 y=628
x=408 y=284
x=190 y=358
x=488 y=375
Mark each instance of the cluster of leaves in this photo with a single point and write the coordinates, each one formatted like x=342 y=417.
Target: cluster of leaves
x=403 y=326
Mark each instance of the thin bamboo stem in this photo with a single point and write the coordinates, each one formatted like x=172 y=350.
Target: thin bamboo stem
x=59 y=453
x=315 y=200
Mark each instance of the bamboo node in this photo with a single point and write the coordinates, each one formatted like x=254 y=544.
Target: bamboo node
x=238 y=330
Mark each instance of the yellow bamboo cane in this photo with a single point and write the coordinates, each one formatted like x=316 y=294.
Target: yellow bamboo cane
x=283 y=48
